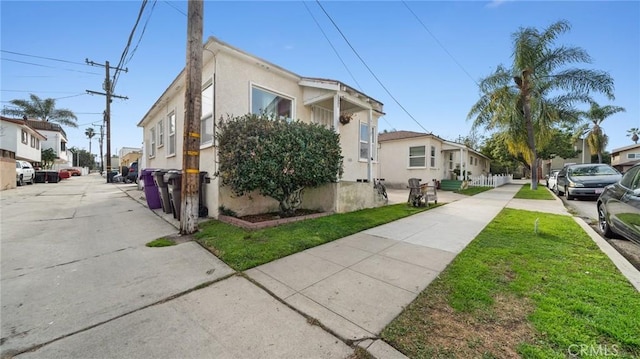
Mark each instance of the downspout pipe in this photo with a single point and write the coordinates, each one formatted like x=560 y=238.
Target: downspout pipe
x=370 y=154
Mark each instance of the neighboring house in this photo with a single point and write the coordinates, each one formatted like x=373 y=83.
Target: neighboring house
x=56 y=139
x=406 y=154
x=129 y=155
x=18 y=141
x=557 y=163
x=624 y=158
x=236 y=83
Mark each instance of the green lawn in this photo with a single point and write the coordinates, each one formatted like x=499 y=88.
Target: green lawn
x=540 y=193
x=243 y=249
x=514 y=293
x=470 y=191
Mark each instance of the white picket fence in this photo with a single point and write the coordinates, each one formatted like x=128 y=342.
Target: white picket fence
x=489 y=181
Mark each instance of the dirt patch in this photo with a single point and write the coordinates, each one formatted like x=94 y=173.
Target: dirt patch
x=494 y=334
x=180 y=238
x=265 y=217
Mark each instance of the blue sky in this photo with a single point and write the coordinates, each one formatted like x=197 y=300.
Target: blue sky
x=431 y=72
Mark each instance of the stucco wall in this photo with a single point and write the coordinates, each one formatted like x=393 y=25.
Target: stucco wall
x=353 y=196
x=319 y=199
x=7 y=173
x=354 y=167
x=394 y=161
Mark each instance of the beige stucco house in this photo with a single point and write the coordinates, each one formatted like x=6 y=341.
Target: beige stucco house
x=406 y=154
x=18 y=141
x=236 y=83
x=624 y=158
x=557 y=163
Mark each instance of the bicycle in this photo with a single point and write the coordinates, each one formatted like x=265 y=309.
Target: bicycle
x=378 y=185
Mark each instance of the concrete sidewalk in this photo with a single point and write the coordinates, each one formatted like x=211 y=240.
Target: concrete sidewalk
x=356 y=285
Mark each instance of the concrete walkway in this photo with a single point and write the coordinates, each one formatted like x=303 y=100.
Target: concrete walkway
x=356 y=285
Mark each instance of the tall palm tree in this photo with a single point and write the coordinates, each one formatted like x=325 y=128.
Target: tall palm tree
x=538 y=92
x=596 y=138
x=90 y=132
x=633 y=133
x=43 y=109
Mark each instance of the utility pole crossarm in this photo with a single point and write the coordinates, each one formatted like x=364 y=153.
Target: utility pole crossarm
x=107 y=115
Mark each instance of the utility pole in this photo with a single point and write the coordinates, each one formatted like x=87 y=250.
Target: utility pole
x=100 y=140
x=108 y=88
x=192 y=110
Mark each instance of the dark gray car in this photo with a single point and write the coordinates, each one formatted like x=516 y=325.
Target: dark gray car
x=585 y=180
x=619 y=207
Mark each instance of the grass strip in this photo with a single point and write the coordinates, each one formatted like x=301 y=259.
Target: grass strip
x=243 y=249
x=514 y=293
x=470 y=191
x=541 y=192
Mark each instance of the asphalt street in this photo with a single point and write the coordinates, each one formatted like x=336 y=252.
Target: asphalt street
x=78 y=281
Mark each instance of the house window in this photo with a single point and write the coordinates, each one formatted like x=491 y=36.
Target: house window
x=37 y=143
x=25 y=137
x=206 y=117
x=63 y=146
x=433 y=156
x=33 y=141
x=152 y=142
x=631 y=156
x=265 y=102
x=417 y=156
x=172 y=134
x=160 y=126
x=450 y=160
x=364 y=142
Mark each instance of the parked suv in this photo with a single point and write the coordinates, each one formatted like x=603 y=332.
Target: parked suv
x=132 y=176
x=24 y=173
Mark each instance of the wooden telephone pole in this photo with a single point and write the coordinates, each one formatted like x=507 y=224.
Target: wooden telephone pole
x=108 y=88
x=192 y=112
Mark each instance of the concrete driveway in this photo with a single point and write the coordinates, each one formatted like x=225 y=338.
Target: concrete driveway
x=78 y=281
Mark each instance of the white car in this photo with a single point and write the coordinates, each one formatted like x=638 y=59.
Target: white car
x=552 y=181
x=24 y=173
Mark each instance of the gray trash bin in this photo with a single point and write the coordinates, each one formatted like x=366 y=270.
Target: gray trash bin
x=174 y=180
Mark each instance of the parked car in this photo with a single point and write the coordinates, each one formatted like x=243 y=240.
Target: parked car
x=585 y=180
x=24 y=173
x=552 y=180
x=132 y=176
x=619 y=207
x=72 y=171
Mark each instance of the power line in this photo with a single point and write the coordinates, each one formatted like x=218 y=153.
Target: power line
x=440 y=43
x=43 y=57
x=336 y=52
x=50 y=67
x=368 y=68
x=144 y=28
x=173 y=6
x=116 y=73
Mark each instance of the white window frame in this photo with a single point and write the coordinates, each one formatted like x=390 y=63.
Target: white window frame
x=171 y=136
x=206 y=117
x=253 y=86
x=160 y=133
x=432 y=156
x=25 y=137
x=631 y=156
x=423 y=156
x=152 y=142
x=363 y=143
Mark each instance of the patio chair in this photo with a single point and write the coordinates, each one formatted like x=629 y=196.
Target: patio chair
x=429 y=193
x=415 y=192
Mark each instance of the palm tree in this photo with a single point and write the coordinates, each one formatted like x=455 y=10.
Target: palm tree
x=525 y=101
x=44 y=110
x=633 y=133
x=90 y=132
x=596 y=138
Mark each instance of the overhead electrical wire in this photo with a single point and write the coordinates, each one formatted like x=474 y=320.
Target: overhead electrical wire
x=337 y=53
x=370 y=71
x=50 y=67
x=43 y=57
x=440 y=44
x=125 y=52
x=144 y=28
x=173 y=6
